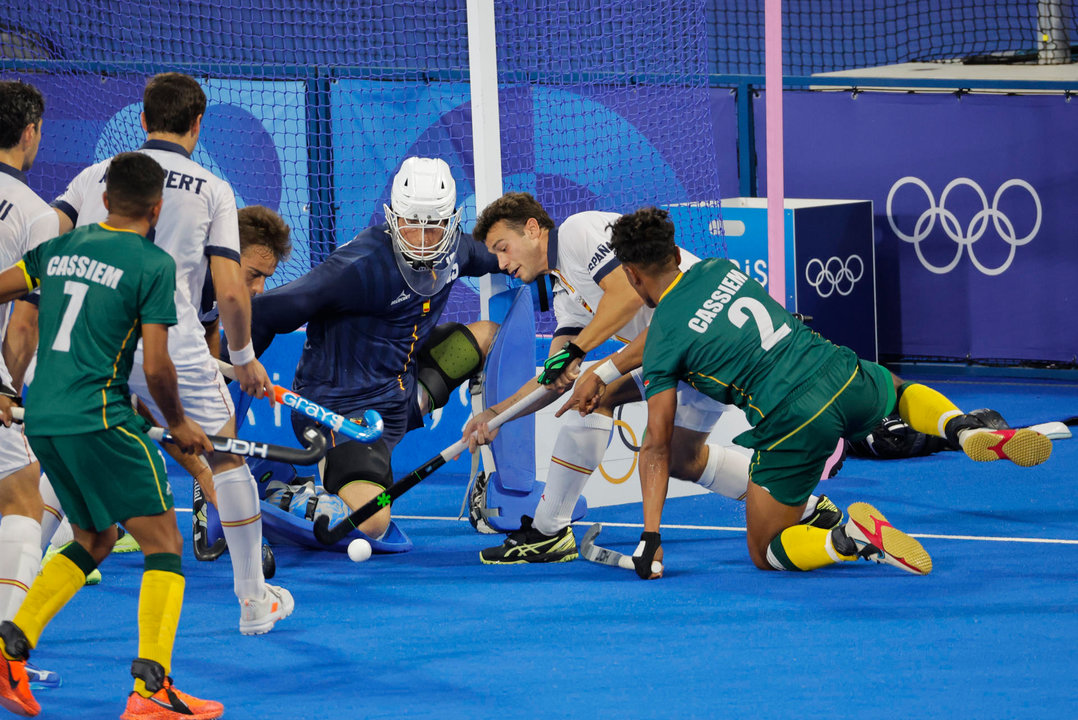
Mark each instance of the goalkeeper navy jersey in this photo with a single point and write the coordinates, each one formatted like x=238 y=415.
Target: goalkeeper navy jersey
x=365 y=325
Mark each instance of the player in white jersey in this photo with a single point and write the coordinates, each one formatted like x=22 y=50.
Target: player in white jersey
x=26 y=221
x=198 y=228
x=593 y=302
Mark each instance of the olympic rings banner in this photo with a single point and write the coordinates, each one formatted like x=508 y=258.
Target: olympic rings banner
x=975 y=214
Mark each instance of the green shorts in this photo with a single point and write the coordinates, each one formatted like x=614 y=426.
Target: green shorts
x=846 y=398
x=105 y=477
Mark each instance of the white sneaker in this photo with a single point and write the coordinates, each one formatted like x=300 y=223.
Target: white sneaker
x=258 y=617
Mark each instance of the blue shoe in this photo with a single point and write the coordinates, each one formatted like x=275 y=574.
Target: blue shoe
x=42 y=679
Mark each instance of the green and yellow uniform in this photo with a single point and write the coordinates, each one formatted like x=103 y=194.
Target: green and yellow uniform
x=99 y=285
x=721 y=332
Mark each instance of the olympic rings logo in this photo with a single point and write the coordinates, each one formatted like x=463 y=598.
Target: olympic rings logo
x=835 y=275
x=629 y=442
x=964 y=237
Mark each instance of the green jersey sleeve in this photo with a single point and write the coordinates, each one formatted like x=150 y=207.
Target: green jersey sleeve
x=157 y=301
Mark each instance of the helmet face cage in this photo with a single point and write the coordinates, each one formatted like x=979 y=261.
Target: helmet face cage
x=424 y=223
x=424 y=249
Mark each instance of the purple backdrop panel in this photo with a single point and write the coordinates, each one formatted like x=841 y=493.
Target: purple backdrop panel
x=975 y=213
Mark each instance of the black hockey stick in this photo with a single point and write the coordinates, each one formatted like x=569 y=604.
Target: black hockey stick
x=592 y=552
x=313 y=441
x=332 y=535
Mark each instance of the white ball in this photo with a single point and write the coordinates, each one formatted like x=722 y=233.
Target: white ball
x=656 y=566
x=359 y=550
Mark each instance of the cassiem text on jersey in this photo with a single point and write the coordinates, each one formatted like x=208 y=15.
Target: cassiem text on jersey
x=717 y=301
x=81 y=266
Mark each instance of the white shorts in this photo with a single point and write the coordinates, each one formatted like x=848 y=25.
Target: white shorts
x=203 y=394
x=695 y=411
x=15 y=452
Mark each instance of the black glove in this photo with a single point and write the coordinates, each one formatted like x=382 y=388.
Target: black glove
x=650 y=542
x=556 y=363
x=9 y=392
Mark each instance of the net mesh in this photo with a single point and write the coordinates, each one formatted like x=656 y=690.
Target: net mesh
x=821 y=36
x=313 y=105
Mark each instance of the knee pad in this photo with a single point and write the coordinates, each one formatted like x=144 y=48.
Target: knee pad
x=450 y=357
x=354 y=461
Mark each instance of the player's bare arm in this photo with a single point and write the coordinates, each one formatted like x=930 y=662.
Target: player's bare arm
x=655 y=465
x=20 y=341
x=617 y=306
x=234 y=307
x=213 y=336
x=66 y=223
x=591 y=386
x=161 y=380
x=193 y=463
x=477 y=432
x=14 y=283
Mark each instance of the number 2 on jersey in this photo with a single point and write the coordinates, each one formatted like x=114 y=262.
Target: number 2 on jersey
x=739 y=312
x=77 y=291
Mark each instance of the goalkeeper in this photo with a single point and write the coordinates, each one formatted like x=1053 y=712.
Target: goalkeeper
x=373 y=338
x=593 y=302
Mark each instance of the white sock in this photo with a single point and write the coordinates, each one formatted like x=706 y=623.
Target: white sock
x=578 y=450
x=726 y=472
x=20 y=559
x=241 y=521
x=53 y=517
x=810 y=506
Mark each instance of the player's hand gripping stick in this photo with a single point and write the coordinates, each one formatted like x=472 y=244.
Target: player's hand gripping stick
x=366 y=432
x=314 y=445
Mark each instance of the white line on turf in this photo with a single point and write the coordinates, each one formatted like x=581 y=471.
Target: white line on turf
x=723 y=528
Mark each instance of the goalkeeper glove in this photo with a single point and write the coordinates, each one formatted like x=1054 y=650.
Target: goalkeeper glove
x=556 y=363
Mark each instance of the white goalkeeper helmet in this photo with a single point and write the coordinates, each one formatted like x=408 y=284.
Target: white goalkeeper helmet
x=424 y=223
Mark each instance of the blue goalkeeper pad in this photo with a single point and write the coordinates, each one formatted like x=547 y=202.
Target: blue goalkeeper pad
x=281 y=526
x=512 y=489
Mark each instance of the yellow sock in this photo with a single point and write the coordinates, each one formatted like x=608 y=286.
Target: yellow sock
x=58 y=582
x=159 y=605
x=803 y=547
x=925 y=409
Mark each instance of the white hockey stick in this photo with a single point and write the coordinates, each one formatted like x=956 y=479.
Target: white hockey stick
x=601 y=555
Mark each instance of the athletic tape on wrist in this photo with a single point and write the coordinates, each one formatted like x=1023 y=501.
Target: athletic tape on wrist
x=244 y=355
x=607 y=371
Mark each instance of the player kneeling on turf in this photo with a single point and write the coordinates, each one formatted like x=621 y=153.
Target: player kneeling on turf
x=720 y=331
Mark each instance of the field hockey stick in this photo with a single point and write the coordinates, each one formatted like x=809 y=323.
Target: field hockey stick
x=314 y=442
x=367 y=432
x=604 y=556
x=332 y=535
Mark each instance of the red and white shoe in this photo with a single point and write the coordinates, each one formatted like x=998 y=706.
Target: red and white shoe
x=881 y=542
x=259 y=616
x=1023 y=447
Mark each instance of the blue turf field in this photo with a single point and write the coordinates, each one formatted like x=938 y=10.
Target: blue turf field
x=434 y=634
